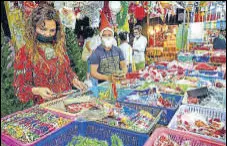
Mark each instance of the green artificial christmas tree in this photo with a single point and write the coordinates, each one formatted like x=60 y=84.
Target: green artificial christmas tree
x=9 y=102
x=75 y=52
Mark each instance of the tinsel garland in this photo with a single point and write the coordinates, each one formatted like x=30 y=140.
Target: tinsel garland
x=122 y=16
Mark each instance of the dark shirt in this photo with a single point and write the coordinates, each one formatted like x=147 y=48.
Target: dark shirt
x=108 y=61
x=219 y=43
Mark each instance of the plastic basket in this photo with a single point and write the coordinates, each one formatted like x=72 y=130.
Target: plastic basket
x=104 y=132
x=167 y=113
x=201 y=58
x=8 y=140
x=180 y=137
x=93 y=130
x=207 y=112
x=156 y=114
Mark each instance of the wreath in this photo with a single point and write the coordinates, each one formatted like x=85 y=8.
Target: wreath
x=122 y=15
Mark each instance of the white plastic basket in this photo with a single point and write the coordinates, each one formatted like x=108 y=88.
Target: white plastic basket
x=205 y=111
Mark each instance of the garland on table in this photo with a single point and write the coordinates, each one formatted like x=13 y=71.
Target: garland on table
x=122 y=16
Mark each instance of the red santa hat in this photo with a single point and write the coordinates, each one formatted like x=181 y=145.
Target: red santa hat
x=105 y=25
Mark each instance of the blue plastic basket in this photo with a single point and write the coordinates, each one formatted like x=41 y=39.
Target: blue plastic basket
x=167 y=113
x=93 y=130
x=201 y=58
x=205 y=111
x=63 y=136
x=104 y=132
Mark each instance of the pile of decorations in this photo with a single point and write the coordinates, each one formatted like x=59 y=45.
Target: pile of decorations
x=31 y=125
x=151 y=98
x=197 y=123
x=128 y=118
x=214 y=98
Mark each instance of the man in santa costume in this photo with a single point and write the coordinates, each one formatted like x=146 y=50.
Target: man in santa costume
x=107 y=59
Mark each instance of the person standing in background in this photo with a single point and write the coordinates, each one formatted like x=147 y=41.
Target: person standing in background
x=126 y=49
x=139 y=46
x=219 y=41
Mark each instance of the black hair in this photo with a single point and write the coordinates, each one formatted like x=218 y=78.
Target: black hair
x=88 y=32
x=123 y=36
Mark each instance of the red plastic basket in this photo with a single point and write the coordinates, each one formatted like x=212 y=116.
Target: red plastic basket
x=180 y=137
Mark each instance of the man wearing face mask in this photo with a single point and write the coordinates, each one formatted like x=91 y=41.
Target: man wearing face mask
x=139 y=46
x=107 y=58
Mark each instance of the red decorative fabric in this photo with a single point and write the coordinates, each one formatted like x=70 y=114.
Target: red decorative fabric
x=139 y=13
x=132 y=8
x=28 y=75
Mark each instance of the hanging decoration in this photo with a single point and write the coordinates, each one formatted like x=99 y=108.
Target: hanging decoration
x=28 y=7
x=115 y=7
x=132 y=8
x=16 y=24
x=139 y=12
x=122 y=17
x=67 y=17
x=91 y=10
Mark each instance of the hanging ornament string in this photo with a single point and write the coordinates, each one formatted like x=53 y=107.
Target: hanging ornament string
x=122 y=15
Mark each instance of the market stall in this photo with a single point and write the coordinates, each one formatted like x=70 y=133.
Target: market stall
x=178 y=99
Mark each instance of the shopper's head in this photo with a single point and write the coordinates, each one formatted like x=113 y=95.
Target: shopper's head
x=123 y=36
x=44 y=27
x=137 y=31
x=217 y=32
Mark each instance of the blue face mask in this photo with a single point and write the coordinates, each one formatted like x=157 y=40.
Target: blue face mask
x=44 y=39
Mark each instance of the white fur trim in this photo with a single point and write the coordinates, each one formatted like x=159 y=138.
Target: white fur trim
x=106 y=28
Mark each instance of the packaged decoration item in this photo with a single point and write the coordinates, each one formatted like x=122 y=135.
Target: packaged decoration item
x=203 y=121
x=168 y=137
x=29 y=126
